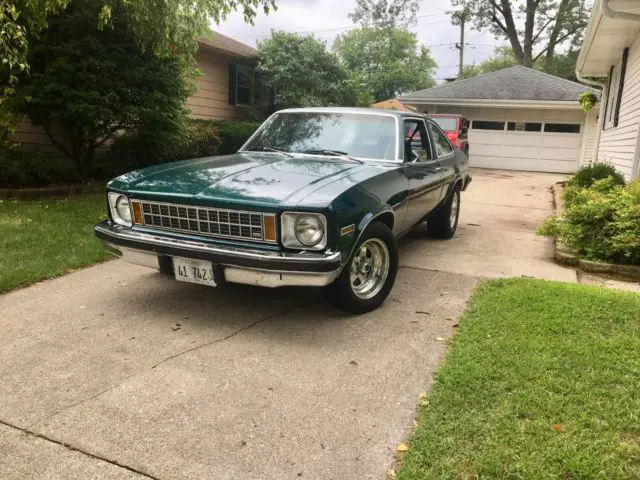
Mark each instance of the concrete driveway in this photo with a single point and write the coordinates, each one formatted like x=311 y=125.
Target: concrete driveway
x=118 y=372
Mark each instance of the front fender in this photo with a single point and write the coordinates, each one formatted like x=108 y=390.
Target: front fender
x=349 y=240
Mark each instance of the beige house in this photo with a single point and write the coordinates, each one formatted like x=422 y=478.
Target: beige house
x=225 y=90
x=611 y=53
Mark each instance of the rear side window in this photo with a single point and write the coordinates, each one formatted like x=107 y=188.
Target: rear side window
x=446 y=124
x=443 y=146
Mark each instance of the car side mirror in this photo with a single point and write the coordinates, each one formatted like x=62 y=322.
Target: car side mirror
x=464 y=131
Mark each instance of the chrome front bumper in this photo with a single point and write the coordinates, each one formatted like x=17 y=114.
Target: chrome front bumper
x=239 y=265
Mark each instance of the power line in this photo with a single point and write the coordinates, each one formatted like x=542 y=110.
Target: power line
x=350 y=27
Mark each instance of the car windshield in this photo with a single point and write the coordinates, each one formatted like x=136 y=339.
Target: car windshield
x=370 y=136
x=446 y=124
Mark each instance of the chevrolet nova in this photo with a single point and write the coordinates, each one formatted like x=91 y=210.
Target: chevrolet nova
x=316 y=197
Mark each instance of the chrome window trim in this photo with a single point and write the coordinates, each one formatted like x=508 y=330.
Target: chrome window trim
x=336 y=111
x=207 y=234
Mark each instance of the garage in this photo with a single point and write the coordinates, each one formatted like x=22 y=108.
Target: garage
x=518 y=119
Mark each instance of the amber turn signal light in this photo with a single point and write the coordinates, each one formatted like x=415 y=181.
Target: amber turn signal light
x=269 y=227
x=137 y=213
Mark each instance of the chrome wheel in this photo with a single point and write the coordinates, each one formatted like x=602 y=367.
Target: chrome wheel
x=453 y=216
x=369 y=268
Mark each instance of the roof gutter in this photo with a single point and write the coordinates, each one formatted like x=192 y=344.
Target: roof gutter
x=607 y=12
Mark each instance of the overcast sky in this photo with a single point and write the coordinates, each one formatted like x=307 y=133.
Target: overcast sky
x=328 y=18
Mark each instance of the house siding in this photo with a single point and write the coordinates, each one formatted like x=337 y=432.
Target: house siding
x=590 y=136
x=209 y=102
x=618 y=145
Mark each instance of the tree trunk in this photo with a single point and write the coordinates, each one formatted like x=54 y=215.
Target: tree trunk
x=512 y=32
x=528 y=34
x=555 y=33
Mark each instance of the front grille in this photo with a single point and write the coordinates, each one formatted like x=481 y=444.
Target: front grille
x=205 y=221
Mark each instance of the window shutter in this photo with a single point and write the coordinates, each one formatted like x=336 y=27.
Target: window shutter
x=623 y=70
x=606 y=99
x=232 y=84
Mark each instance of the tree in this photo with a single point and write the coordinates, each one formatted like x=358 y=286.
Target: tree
x=385 y=13
x=87 y=83
x=163 y=27
x=503 y=58
x=563 y=65
x=302 y=73
x=547 y=24
x=386 y=62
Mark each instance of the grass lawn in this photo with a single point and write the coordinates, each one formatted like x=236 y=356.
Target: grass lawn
x=542 y=382
x=46 y=238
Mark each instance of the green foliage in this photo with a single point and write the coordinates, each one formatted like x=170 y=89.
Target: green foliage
x=588 y=174
x=87 y=83
x=561 y=65
x=548 y=25
x=587 y=101
x=503 y=58
x=385 y=62
x=163 y=28
x=302 y=73
x=203 y=138
x=385 y=13
x=600 y=222
x=35 y=169
x=232 y=134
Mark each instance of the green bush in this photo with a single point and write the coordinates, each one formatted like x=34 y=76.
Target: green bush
x=19 y=169
x=232 y=134
x=601 y=222
x=203 y=138
x=588 y=174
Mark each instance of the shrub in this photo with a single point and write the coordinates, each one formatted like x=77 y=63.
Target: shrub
x=232 y=134
x=588 y=174
x=601 y=222
x=35 y=169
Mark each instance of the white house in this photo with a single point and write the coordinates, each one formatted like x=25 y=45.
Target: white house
x=610 y=53
x=519 y=119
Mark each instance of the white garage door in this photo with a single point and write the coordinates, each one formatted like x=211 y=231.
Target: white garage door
x=535 y=146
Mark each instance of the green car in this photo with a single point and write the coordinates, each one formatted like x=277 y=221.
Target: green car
x=316 y=197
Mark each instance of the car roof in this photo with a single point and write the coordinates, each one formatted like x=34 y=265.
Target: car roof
x=457 y=115
x=361 y=110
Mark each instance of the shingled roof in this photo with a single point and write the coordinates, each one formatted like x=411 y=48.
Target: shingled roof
x=515 y=83
x=228 y=45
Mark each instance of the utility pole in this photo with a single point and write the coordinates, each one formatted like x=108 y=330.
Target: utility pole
x=460 y=46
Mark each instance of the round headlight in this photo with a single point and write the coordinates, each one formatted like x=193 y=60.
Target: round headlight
x=122 y=208
x=309 y=230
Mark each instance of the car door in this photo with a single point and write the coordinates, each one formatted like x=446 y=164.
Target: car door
x=422 y=171
x=445 y=154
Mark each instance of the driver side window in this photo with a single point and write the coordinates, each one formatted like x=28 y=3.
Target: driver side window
x=416 y=142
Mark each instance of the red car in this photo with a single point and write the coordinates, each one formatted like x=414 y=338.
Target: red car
x=455 y=127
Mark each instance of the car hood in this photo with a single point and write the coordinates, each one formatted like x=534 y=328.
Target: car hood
x=249 y=178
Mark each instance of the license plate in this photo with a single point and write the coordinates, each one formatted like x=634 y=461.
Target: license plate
x=193 y=271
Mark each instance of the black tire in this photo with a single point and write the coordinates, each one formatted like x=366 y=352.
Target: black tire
x=442 y=224
x=342 y=293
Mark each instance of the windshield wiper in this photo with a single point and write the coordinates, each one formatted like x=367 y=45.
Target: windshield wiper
x=334 y=153
x=271 y=149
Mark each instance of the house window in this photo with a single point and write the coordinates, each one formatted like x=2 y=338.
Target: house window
x=241 y=85
x=486 y=125
x=614 y=91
